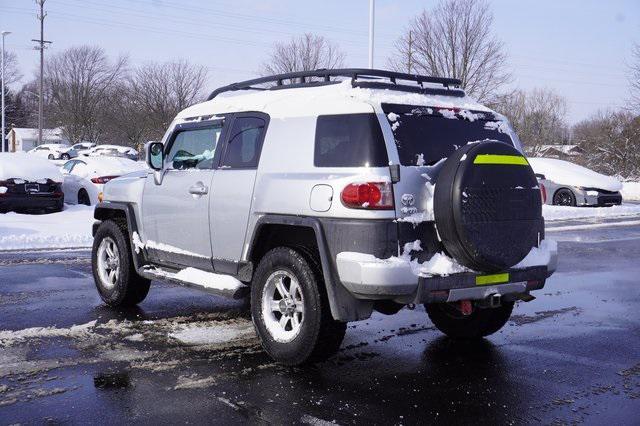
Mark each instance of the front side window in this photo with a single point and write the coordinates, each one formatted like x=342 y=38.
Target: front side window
x=349 y=140
x=425 y=135
x=194 y=148
x=245 y=143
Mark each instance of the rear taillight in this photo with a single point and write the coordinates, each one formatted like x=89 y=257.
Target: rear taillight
x=368 y=195
x=543 y=193
x=102 y=179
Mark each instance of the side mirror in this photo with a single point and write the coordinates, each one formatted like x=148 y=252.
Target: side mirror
x=155 y=155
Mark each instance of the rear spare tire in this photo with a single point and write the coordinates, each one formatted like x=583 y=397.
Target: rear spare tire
x=487 y=206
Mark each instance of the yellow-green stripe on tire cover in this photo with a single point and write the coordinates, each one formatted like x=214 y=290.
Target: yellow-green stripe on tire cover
x=514 y=160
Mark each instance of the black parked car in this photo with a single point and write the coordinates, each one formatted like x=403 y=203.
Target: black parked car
x=29 y=184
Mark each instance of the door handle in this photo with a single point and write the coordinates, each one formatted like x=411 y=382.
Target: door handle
x=198 y=189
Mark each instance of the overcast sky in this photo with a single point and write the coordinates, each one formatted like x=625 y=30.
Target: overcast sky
x=580 y=49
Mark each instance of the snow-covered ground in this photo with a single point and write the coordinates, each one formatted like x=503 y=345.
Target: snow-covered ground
x=69 y=228
x=552 y=213
x=631 y=191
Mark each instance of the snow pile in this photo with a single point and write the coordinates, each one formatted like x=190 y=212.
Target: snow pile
x=9 y=337
x=208 y=279
x=566 y=173
x=631 y=191
x=28 y=167
x=552 y=213
x=214 y=334
x=539 y=256
x=107 y=166
x=70 y=228
x=440 y=265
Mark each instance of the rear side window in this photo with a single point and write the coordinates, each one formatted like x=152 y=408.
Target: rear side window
x=245 y=143
x=349 y=140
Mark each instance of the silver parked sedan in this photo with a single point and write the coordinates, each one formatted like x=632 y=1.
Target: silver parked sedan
x=567 y=184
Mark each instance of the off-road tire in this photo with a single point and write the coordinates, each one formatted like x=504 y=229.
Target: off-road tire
x=480 y=323
x=564 y=197
x=130 y=288
x=320 y=335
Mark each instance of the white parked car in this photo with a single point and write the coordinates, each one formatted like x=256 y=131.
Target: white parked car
x=54 y=151
x=111 y=150
x=84 y=178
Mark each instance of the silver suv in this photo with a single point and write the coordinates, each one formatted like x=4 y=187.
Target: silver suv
x=326 y=195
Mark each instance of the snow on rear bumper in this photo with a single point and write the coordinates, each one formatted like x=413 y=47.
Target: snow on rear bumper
x=367 y=277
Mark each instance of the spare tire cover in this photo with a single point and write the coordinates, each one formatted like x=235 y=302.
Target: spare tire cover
x=487 y=206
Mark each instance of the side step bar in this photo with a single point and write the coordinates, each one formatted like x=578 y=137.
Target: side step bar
x=209 y=282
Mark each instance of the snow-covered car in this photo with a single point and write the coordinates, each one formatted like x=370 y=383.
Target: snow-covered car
x=563 y=183
x=111 y=150
x=82 y=146
x=84 y=178
x=353 y=191
x=54 y=151
x=29 y=183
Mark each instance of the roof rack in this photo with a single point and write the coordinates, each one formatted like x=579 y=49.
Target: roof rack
x=451 y=86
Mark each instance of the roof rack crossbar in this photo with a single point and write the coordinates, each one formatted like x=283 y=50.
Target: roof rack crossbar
x=305 y=78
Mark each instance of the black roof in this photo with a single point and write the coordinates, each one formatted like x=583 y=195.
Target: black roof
x=360 y=77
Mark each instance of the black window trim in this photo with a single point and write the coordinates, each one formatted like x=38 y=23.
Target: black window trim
x=220 y=120
x=229 y=125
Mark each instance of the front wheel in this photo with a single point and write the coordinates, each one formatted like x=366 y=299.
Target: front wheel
x=290 y=310
x=65 y=156
x=479 y=323
x=115 y=277
x=564 y=197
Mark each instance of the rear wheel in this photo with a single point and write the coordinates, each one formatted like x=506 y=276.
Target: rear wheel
x=83 y=198
x=290 y=311
x=564 y=197
x=65 y=156
x=479 y=323
x=115 y=277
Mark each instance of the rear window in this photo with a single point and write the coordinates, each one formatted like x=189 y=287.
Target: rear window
x=349 y=140
x=425 y=135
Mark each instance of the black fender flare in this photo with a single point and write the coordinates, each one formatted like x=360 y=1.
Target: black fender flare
x=105 y=211
x=344 y=306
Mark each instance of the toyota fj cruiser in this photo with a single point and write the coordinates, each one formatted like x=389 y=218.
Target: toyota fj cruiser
x=326 y=195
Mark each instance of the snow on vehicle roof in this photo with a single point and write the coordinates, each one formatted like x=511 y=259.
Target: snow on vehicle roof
x=19 y=165
x=338 y=98
x=566 y=173
x=53 y=145
x=111 y=166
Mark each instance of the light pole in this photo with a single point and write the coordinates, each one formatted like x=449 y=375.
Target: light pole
x=372 y=12
x=4 y=33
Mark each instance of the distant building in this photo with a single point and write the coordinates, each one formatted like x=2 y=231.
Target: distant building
x=24 y=139
x=561 y=152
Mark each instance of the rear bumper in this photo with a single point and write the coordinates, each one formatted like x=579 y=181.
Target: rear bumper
x=31 y=202
x=374 y=279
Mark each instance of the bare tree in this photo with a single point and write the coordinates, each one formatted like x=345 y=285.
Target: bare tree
x=11 y=70
x=455 y=40
x=125 y=121
x=161 y=90
x=77 y=82
x=611 y=141
x=538 y=117
x=634 y=78
x=305 y=53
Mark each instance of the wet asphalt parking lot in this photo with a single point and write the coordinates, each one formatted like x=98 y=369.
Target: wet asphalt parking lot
x=570 y=356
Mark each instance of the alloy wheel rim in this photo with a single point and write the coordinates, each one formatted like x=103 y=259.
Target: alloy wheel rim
x=283 y=306
x=108 y=262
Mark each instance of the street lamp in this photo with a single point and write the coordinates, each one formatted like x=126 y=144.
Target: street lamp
x=4 y=33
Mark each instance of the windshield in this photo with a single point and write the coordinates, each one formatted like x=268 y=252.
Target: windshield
x=425 y=135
